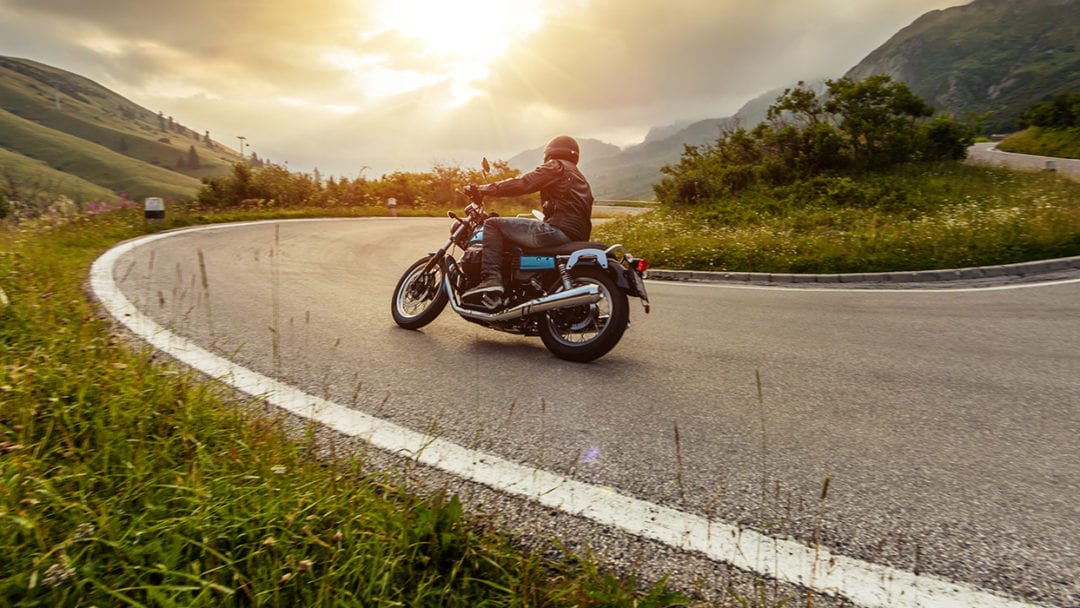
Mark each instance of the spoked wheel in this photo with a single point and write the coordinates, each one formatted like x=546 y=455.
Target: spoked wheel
x=419 y=296
x=584 y=333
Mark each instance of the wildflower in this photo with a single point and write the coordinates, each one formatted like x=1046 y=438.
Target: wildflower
x=84 y=531
x=269 y=542
x=58 y=574
x=278 y=469
x=285 y=578
x=337 y=537
x=304 y=565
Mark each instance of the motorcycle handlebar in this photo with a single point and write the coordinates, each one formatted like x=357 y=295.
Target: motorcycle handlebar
x=472 y=192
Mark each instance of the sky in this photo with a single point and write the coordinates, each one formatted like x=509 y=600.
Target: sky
x=366 y=87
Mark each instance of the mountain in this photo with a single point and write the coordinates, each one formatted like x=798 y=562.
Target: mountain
x=65 y=134
x=998 y=56
x=590 y=148
x=630 y=173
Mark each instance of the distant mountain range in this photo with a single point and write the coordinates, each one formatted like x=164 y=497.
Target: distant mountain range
x=65 y=134
x=996 y=56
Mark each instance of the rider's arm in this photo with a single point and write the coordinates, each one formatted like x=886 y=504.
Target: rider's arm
x=533 y=181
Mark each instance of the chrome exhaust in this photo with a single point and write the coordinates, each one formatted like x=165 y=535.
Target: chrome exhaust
x=579 y=296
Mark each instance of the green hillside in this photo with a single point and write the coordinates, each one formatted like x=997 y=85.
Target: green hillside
x=91 y=162
x=27 y=179
x=997 y=56
x=53 y=122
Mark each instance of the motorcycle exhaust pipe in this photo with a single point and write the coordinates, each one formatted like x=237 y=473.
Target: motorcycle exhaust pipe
x=579 y=296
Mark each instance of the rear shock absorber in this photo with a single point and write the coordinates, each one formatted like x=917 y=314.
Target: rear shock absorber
x=564 y=274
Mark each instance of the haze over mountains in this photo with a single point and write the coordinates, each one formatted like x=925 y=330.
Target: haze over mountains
x=994 y=57
x=999 y=56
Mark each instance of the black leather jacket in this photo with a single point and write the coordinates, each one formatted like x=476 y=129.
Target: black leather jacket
x=564 y=194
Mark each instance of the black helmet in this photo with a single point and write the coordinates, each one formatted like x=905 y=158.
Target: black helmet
x=562 y=147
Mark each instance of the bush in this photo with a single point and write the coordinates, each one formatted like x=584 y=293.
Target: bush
x=274 y=186
x=855 y=128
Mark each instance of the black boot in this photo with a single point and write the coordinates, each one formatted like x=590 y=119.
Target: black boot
x=488 y=293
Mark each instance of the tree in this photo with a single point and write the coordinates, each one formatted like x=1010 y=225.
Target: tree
x=5 y=206
x=193 y=158
x=878 y=117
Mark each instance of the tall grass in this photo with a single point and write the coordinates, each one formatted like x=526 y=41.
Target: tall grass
x=125 y=482
x=918 y=217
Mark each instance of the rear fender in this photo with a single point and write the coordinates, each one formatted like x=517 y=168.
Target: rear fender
x=596 y=257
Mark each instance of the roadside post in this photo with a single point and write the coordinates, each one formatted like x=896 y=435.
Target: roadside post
x=154 y=210
x=391 y=205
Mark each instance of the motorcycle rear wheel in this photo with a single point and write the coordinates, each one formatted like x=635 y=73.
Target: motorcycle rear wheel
x=419 y=297
x=584 y=333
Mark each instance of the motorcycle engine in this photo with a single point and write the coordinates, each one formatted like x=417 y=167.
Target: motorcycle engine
x=470 y=265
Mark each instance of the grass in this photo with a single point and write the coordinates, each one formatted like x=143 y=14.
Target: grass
x=126 y=482
x=945 y=215
x=36 y=179
x=1060 y=143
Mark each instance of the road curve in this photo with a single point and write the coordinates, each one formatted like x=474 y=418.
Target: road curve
x=986 y=153
x=945 y=422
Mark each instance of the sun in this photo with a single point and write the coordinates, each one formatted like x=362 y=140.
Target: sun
x=464 y=34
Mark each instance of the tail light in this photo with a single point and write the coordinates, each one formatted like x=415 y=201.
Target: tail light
x=640 y=265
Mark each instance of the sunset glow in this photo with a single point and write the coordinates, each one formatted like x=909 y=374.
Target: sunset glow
x=402 y=84
x=466 y=35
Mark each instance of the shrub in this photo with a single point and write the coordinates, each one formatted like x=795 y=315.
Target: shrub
x=855 y=128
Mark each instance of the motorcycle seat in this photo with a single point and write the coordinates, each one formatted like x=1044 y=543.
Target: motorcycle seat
x=565 y=248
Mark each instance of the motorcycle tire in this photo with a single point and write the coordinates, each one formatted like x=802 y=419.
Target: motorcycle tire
x=418 y=298
x=584 y=333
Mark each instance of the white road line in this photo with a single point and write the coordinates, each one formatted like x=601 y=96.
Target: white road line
x=863 y=583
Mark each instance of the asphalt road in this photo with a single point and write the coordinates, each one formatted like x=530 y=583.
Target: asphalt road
x=946 y=421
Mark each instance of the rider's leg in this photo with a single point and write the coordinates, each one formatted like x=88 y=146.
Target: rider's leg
x=520 y=231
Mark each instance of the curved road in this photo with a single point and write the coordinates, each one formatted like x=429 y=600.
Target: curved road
x=945 y=421
x=986 y=153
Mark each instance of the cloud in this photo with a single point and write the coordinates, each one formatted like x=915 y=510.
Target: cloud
x=326 y=84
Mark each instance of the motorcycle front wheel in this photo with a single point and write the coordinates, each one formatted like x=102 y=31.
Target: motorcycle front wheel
x=584 y=333
x=419 y=296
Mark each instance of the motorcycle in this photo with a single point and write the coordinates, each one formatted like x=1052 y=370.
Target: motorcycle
x=573 y=296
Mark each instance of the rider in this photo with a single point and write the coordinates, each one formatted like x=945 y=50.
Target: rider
x=565 y=198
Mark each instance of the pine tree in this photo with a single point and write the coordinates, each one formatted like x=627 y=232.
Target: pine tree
x=193 y=158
